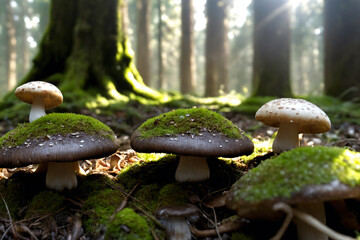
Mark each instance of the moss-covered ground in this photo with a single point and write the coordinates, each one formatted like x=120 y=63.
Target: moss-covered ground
x=123 y=206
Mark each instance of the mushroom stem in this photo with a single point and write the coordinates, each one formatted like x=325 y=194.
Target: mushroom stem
x=60 y=176
x=192 y=169
x=287 y=138
x=177 y=228
x=37 y=108
x=306 y=231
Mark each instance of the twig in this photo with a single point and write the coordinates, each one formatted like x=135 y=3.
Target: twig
x=289 y=215
x=227 y=227
x=10 y=219
x=307 y=218
x=123 y=203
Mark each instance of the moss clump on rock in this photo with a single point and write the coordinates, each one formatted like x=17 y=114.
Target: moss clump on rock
x=191 y=120
x=44 y=203
x=53 y=124
x=172 y=194
x=128 y=225
x=99 y=207
x=292 y=171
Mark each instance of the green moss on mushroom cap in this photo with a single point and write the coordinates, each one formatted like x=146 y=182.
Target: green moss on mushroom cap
x=291 y=172
x=191 y=120
x=55 y=123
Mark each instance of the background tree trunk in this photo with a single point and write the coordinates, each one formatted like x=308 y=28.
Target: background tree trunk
x=87 y=50
x=214 y=46
x=143 y=40
x=271 y=64
x=11 y=47
x=161 y=81
x=187 y=61
x=342 y=49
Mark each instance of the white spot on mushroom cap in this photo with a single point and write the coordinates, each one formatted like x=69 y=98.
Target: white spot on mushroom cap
x=309 y=117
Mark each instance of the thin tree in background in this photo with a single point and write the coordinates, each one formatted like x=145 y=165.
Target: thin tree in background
x=342 y=48
x=161 y=81
x=187 y=61
x=214 y=46
x=11 y=47
x=24 y=55
x=143 y=40
x=271 y=64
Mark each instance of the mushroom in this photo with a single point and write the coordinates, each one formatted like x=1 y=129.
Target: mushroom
x=195 y=134
x=41 y=95
x=313 y=176
x=56 y=142
x=174 y=220
x=292 y=116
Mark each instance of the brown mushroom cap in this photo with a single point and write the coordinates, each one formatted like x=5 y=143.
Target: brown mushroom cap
x=205 y=144
x=302 y=175
x=51 y=94
x=308 y=117
x=314 y=193
x=57 y=148
x=177 y=211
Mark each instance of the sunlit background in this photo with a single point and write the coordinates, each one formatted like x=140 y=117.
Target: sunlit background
x=31 y=17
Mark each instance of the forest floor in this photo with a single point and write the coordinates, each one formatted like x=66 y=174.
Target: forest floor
x=91 y=211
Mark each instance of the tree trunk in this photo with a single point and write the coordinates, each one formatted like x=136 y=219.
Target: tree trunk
x=214 y=46
x=143 y=40
x=11 y=47
x=187 y=63
x=342 y=49
x=271 y=63
x=87 y=50
x=161 y=82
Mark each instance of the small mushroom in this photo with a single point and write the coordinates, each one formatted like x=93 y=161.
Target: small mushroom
x=313 y=176
x=174 y=220
x=56 y=142
x=41 y=95
x=292 y=116
x=195 y=134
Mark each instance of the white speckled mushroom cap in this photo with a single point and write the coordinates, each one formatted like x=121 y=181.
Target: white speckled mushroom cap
x=51 y=94
x=309 y=117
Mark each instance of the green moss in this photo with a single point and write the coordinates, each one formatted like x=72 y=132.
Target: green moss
x=55 y=123
x=190 y=120
x=128 y=225
x=147 y=172
x=148 y=195
x=44 y=203
x=99 y=207
x=172 y=194
x=293 y=170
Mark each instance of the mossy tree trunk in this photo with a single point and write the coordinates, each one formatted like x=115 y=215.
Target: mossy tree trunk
x=84 y=50
x=342 y=49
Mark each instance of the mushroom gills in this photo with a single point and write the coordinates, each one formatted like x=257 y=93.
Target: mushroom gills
x=192 y=169
x=37 y=109
x=60 y=176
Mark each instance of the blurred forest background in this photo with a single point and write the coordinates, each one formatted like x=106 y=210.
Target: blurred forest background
x=156 y=32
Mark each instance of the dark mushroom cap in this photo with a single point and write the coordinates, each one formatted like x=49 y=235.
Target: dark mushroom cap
x=305 y=174
x=176 y=211
x=191 y=132
x=79 y=137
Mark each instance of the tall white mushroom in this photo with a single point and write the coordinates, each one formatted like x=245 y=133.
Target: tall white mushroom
x=292 y=116
x=41 y=95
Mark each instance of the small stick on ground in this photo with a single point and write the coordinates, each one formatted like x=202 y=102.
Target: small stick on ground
x=10 y=220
